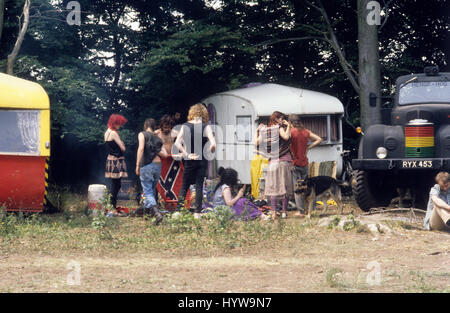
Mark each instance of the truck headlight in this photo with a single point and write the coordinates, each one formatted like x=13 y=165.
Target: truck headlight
x=381 y=152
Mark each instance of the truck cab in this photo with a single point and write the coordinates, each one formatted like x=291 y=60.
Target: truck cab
x=410 y=147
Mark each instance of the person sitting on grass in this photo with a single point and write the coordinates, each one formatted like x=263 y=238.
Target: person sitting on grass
x=438 y=209
x=241 y=207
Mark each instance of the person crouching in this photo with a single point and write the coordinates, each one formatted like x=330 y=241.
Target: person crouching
x=148 y=167
x=438 y=209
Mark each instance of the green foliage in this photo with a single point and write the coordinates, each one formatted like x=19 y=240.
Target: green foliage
x=220 y=220
x=334 y=222
x=101 y=221
x=351 y=224
x=7 y=222
x=182 y=221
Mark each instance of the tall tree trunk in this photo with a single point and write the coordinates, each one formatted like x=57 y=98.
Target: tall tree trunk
x=369 y=67
x=26 y=20
x=2 y=13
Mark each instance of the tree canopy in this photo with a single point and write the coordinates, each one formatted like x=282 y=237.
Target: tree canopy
x=146 y=58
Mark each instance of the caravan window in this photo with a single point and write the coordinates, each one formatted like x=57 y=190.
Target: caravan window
x=318 y=125
x=244 y=128
x=334 y=123
x=20 y=132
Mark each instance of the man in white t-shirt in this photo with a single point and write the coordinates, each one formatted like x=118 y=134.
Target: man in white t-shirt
x=438 y=209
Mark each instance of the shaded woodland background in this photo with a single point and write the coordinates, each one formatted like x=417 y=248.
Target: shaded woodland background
x=147 y=58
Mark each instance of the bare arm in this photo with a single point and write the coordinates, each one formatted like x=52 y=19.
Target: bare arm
x=285 y=133
x=212 y=140
x=116 y=138
x=140 y=152
x=227 y=196
x=316 y=140
x=174 y=134
x=440 y=203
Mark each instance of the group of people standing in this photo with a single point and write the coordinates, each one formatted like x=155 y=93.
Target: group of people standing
x=156 y=144
x=281 y=145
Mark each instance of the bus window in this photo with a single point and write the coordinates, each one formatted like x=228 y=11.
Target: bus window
x=20 y=132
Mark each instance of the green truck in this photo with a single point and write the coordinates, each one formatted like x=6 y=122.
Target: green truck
x=411 y=145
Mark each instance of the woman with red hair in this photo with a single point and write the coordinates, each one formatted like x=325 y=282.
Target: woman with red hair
x=116 y=167
x=274 y=141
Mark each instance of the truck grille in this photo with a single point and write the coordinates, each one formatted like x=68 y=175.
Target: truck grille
x=419 y=140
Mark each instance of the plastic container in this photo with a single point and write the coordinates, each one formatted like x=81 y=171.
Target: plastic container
x=96 y=193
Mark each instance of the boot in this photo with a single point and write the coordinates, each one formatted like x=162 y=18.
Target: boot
x=149 y=211
x=158 y=216
x=139 y=211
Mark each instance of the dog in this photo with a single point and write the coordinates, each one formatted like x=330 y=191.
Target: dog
x=406 y=194
x=316 y=187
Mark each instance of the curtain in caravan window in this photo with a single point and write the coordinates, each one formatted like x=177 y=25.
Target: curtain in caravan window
x=316 y=124
x=20 y=132
x=28 y=123
x=334 y=127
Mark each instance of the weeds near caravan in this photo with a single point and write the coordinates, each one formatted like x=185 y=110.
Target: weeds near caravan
x=7 y=222
x=182 y=222
x=220 y=221
x=101 y=221
x=65 y=200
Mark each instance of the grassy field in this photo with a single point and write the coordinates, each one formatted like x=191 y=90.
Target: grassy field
x=42 y=253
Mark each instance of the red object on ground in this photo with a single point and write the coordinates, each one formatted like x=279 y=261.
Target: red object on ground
x=170 y=182
x=95 y=206
x=123 y=210
x=22 y=182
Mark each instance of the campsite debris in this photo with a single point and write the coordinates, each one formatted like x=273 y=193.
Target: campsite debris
x=363 y=223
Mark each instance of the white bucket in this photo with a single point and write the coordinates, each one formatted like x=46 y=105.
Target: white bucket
x=96 y=193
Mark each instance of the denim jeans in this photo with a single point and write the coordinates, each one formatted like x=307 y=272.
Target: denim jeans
x=149 y=178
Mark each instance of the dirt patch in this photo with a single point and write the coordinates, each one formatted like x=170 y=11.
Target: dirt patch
x=299 y=256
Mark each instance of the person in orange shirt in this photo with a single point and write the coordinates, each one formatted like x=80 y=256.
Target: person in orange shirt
x=300 y=136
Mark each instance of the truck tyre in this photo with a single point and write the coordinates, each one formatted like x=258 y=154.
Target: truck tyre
x=368 y=192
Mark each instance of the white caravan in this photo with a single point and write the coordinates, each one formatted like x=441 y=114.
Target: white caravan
x=240 y=109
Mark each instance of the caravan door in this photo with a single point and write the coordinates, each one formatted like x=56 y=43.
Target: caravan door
x=239 y=136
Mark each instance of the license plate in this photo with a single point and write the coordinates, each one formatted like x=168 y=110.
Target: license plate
x=417 y=164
